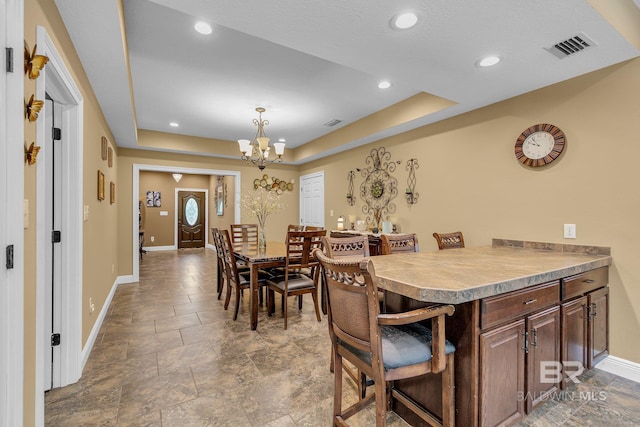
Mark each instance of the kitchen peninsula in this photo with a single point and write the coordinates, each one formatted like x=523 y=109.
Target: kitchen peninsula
x=517 y=304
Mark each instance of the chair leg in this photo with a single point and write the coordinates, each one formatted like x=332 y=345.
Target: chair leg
x=299 y=302
x=237 y=307
x=285 y=313
x=228 y=297
x=337 y=393
x=381 y=403
x=316 y=305
x=448 y=394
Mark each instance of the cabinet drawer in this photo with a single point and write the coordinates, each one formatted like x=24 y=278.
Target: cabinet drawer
x=513 y=305
x=585 y=282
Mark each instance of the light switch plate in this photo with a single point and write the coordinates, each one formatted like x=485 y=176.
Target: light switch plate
x=25 y=211
x=85 y=213
x=569 y=231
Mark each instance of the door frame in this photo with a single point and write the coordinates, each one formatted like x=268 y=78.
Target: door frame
x=56 y=79
x=206 y=214
x=11 y=216
x=135 y=185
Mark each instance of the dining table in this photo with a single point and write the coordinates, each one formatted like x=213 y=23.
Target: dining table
x=275 y=255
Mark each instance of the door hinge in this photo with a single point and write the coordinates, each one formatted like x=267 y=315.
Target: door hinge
x=55 y=236
x=9 y=65
x=57 y=134
x=55 y=340
x=9 y=259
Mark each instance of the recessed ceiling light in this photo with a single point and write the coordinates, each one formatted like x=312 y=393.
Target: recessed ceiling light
x=488 y=61
x=203 y=28
x=404 y=21
x=384 y=84
x=174 y=124
x=282 y=140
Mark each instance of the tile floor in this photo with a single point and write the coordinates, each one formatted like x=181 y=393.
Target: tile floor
x=168 y=354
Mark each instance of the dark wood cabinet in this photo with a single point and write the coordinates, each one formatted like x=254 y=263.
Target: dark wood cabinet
x=512 y=356
x=598 y=326
x=502 y=374
x=585 y=321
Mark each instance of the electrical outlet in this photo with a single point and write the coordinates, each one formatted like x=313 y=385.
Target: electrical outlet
x=569 y=231
x=153 y=239
x=113 y=268
x=92 y=306
x=331 y=212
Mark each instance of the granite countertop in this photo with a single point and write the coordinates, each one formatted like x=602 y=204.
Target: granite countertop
x=455 y=276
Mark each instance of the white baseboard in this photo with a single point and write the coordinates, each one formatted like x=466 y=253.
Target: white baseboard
x=160 y=248
x=86 y=350
x=621 y=367
x=125 y=279
x=210 y=246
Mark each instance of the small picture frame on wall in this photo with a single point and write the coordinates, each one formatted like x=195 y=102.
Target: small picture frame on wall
x=100 y=185
x=110 y=157
x=154 y=199
x=112 y=192
x=103 y=148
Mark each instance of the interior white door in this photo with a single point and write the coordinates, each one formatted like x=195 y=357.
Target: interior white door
x=312 y=199
x=52 y=157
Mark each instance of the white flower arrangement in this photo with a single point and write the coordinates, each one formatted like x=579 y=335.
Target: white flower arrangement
x=261 y=203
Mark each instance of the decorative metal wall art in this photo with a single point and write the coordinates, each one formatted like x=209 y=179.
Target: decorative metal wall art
x=31 y=153
x=32 y=108
x=379 y=187
x=351 y=199
x=273 y=184
x=33 y=63
x=410 y=193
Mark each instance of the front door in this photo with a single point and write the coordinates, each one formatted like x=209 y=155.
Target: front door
x=191 y=227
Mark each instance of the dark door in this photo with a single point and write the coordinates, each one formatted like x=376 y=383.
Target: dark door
x=191 y=219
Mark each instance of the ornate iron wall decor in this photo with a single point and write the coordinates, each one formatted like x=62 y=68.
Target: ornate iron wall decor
x=410 y=193
x=351 y=199
x=379 y=187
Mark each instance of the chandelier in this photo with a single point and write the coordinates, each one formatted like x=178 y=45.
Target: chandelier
x=257 y=151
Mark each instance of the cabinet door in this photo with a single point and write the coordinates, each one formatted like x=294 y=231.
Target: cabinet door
x=502 y=374
x=598 y=347
x=574 y=335
x=544 y=348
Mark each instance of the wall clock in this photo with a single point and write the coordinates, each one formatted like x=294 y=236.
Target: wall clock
x=539 y=145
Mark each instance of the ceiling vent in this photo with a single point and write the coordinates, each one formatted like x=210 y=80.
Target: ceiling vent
x=333 y=122
x=571 y=46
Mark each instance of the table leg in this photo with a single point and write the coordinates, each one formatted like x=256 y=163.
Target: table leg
x=254 y=296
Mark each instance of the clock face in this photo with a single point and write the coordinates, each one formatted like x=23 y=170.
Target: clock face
x=539 y=145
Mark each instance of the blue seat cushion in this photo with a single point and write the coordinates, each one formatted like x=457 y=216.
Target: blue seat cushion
x=403 y=346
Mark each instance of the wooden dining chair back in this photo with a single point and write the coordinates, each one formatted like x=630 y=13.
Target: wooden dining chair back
x=398 y=243
x=221 y=276
x=449 y=240
x=244 y=236
x=293 y=281
x=312 y=228
x=236 y=281
x=338 y=247
x=385 y=347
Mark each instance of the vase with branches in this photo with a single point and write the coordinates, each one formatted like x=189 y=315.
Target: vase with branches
x=261 y=203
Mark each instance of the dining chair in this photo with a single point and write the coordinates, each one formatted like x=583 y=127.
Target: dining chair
x=398 y=243
x=341 y=247
x=385 y=347
x=244 y=235
x=221 y=276
x=294 y=282
x=449 y=240
x=235 y=280
x=312 y=228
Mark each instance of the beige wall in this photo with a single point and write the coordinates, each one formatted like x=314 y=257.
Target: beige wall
x=470 y=180
x=161 y=228
x=276 y=224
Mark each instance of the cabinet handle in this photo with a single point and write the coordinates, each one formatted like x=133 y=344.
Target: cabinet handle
x=593 y=309
x=531 y=301
x=526 y=342
x=588 y=281
x=535 y=338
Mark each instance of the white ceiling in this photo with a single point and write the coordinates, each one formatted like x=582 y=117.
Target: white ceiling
x=309 y=62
